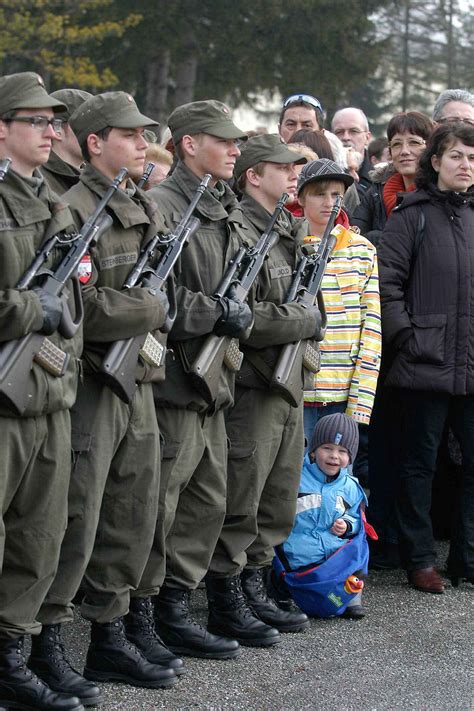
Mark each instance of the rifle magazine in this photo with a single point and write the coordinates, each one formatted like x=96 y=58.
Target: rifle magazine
x=312 y=358
x=152 y=352
x=51 y=358
x=233 y=356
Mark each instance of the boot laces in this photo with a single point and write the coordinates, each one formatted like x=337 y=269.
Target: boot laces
x=60 y=658
x=147 y=621
x=238 y=598
x=121 y=639
x=187 y=616
x=21 y=663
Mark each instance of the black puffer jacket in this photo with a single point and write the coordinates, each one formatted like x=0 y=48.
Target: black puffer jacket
x=370 y=216
x=427 y=292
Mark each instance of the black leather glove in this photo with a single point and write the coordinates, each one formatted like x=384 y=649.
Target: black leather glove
x=160 y=295
x=318 y=322
x=52 y=310
x=236 y=317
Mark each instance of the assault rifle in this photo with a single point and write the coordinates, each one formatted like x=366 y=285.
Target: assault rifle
x=150 y=167
x=305 y=290
x=237 y=282
x=120 y=363
x=4 y=168
x=16 y=357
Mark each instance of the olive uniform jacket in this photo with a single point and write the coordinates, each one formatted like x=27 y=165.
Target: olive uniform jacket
x=28 y=217
x=59 y=175
x=110 y=312
x=197 y=275
x=275 y=323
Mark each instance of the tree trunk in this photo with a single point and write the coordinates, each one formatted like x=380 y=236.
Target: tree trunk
x=406 y=55
x=157 y=86
x=186 y=72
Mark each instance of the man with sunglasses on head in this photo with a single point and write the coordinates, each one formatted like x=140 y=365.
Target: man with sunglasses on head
x=351 y=126
x=35 y=445
x=61 y=171
x=300 y=111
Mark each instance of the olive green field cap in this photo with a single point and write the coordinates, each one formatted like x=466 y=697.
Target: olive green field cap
x=268 y=148
x=26 y=90
x=72 y=98
x=116 y=109
x=212 y=117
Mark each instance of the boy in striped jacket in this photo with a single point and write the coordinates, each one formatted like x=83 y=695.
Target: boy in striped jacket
x=350 y=352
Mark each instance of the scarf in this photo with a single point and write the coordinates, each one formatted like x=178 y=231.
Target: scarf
x=392 y=187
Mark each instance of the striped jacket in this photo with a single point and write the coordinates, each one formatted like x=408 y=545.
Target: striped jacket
x=350 y=352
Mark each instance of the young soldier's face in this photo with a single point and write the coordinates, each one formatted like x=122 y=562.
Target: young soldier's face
x=317 y=206
x=122 y=148
x=277 y=178
x=331 y=458
x=210 y=154
x=28 y=146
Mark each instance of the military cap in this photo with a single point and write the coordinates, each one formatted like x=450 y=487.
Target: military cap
x=72 y=98
x=210 y=117
x=323 y=169
x=269 y=148
x=26 y=90
x=116 y=109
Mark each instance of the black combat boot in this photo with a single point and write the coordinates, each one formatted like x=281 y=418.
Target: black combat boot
x=265 y=608
x=182 y=634
x=48 y=660
x=230 y=614
x=111 y=657
x=20 y=688
x=140 y=629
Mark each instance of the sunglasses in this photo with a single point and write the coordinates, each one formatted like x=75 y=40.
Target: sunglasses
x=303 y=98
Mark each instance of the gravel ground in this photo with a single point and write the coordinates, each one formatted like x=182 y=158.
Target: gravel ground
x=412 y=651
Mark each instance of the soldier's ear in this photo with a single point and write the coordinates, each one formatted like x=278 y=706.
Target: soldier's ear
x=252 y=177
x=3 y=129
x=189 y=145
x=94 y=144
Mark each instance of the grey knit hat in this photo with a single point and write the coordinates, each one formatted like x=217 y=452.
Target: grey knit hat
x=337 y=429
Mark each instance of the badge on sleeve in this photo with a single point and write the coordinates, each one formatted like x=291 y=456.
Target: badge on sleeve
x=84 y=271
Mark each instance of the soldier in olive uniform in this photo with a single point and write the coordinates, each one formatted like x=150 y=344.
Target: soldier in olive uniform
x=35 y=446
x=193 y=488
x=113 y=498
x=265 y=432
x=61 y=171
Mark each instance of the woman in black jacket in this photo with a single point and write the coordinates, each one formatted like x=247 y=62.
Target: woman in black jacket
x=427 y=291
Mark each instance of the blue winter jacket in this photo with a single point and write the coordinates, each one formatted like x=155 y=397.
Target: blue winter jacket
x=319 y=504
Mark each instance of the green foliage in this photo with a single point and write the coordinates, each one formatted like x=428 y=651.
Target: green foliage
x=58 y=39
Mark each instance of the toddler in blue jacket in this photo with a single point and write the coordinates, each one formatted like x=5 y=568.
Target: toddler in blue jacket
x=328 y=512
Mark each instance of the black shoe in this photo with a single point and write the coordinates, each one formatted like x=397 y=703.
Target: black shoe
x=20 y=688
x=230 y=614
x=385 y=557
x=48 y=660
x=140 y=629
x=182 y=634
x=111 y=657
x=266 y=609
x=355 y=612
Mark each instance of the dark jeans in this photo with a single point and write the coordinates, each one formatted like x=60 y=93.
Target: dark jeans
x=384 y=453
x=423 y=418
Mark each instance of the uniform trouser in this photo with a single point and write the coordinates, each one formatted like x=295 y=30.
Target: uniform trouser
x=113 y=503
x=192 y=499
x=264 y=470
x=35 y=463
x=424 y=416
